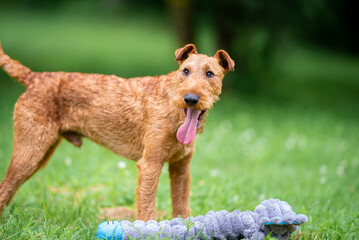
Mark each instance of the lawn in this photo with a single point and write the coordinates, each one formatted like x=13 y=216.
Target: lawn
x=298 y=141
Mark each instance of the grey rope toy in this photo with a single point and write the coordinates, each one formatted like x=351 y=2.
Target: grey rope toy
x=272 y=216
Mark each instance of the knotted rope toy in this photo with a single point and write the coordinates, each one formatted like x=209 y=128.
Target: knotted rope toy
x=272 y=217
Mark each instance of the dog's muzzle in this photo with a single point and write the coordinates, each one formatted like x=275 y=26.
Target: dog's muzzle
x=191 y=99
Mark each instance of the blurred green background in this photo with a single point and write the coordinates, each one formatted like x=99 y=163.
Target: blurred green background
x=298 y=50
x=286 y=125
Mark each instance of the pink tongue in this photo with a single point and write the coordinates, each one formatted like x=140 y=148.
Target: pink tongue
x=187 y=131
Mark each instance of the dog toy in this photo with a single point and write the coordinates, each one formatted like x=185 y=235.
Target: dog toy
x=272 y=217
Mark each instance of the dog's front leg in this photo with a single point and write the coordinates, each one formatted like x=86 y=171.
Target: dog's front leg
x=149 y=170
x=180 y=176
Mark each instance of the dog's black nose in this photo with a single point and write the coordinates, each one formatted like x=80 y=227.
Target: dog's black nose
x=191 y=99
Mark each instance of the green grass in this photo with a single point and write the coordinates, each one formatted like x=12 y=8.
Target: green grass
x=297 y=142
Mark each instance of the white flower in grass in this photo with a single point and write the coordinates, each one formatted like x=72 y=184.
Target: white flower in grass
x=68 y=161
x=261 y=197
x=302 y=142
x=322 y=180
x=341 y=168
x=225 y=126
x=213 y=173
x=290 y=143
x=121 y=165
x=235 y=198
x=340 y=171
x=323 y=169
x=247 y=135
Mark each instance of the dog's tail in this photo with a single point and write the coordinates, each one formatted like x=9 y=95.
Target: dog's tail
x=14 y=68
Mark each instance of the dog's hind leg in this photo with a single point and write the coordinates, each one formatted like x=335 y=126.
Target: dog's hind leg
x=35 y=139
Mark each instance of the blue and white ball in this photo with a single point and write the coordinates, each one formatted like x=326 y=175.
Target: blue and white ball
x=110 y=230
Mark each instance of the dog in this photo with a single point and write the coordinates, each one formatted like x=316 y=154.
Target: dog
x=151 y=120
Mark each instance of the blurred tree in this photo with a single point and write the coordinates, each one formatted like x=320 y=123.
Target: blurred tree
x=252 y=31
x=182 y=19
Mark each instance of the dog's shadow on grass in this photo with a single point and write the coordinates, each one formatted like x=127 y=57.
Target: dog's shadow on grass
x=124 y=213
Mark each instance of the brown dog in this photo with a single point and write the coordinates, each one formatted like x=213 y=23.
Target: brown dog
x=151 y=120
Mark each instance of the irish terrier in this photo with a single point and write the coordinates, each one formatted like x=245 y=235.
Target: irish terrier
x=151 y=120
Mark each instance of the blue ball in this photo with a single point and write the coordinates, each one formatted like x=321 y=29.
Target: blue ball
x=110 y=230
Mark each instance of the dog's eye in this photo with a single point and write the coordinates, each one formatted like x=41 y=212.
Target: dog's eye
x=185 y=72
x=209 y=74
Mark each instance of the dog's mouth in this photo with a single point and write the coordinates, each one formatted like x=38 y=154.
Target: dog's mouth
x=187 y=131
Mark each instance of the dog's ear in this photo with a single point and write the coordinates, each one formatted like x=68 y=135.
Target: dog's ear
x=183 y=53
x=225 y=60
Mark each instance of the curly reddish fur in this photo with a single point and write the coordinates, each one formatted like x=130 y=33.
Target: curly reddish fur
x=136 y=118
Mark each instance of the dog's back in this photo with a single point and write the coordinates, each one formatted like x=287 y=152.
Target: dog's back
x=104 y=108
x=107 y=109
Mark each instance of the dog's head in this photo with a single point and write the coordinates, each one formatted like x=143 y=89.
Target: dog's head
x=198 y=83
